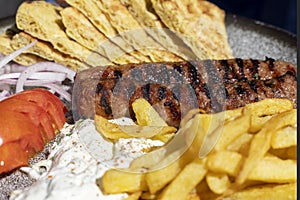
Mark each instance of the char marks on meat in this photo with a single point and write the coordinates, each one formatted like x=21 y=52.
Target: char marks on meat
x=175 y=88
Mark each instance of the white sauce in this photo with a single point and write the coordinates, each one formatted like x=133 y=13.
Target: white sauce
x=77 y=161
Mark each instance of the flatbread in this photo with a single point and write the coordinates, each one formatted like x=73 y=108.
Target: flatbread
x=25 y=59
x=200 y=24
x=43 y=21
x=80 y=29
x=99 y=19
x=133 y=33
x=46 y=51
x=143 y=12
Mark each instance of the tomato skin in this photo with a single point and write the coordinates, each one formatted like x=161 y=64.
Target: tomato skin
x=40 y=118
x=12 y=156
x=27 y=121
x=48 y=101
x=17 y=127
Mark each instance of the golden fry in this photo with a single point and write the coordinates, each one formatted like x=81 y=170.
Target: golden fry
x=218 y=183
x=185 y=181
x=228 y=162
x=274 y=170
x=267 y=192
x=145 y=114
x=241 y=144
x=167 y=170
x=116 y=181
x=284 y=138
x=232 y=130
x=269 y=106
x=261 y=142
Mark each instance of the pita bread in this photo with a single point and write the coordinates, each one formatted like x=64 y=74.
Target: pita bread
x=99 y=19
x=79 y=28
x=46 y=51
x=200 y=24
x=144 y=13
x=43 y=21
x=133 y=33
x=26 y=59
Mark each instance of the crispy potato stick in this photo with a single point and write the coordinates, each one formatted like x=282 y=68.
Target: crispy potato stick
x=218 y=183
x=108 y=129
x=228 y=162
x=284 y=138
x=115 y=131
x=269 y=106
x=241 y=144
x=150 y=124
x=168 y=169
x=201 y=126
x=145 y=114
x=261 y=142
x=265 y=192
x=274 y=170
x=232 y=130
x=258 y=122
x=262 y=111
x=116 y=181
x=186 y=181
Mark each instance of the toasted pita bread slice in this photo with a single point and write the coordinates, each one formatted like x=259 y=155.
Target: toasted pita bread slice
x=46 y=51
x=99 y=19
x=79 y=28
x=132 y=32
x=43 y=21
x=26 y=59
x=144 y=13
x=200 y=24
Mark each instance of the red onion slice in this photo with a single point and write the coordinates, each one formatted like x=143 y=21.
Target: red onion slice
x=43 y=66
x=54 y=76
x=11 y=56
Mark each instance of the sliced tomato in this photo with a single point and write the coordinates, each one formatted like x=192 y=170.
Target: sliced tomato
x=18 y=127
x=48 y=101
x=12 y=157
x=37 y=114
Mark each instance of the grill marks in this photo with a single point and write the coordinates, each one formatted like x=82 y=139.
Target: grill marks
x=173 y=87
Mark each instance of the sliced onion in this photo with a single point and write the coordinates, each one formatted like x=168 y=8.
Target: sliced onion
x=43 y=66
x=13 y=55
x=54 y=76
x=64 y=94
x=27 y=83
x=44 y=83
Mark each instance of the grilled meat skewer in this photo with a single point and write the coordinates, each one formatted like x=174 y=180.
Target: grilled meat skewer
x=173 y=88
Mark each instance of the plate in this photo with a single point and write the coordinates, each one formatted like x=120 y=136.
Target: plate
x=247 y=38
x=254 y=39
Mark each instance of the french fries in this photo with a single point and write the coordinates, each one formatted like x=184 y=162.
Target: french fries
x=242 y=154
x=117 y=181
x=149 y=125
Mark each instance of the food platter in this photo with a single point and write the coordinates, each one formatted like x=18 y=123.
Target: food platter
x=247 y=38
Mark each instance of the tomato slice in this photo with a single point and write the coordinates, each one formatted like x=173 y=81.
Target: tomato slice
x=37 y=114
x=18 y=127
x=48 y=101
x=12 y=157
